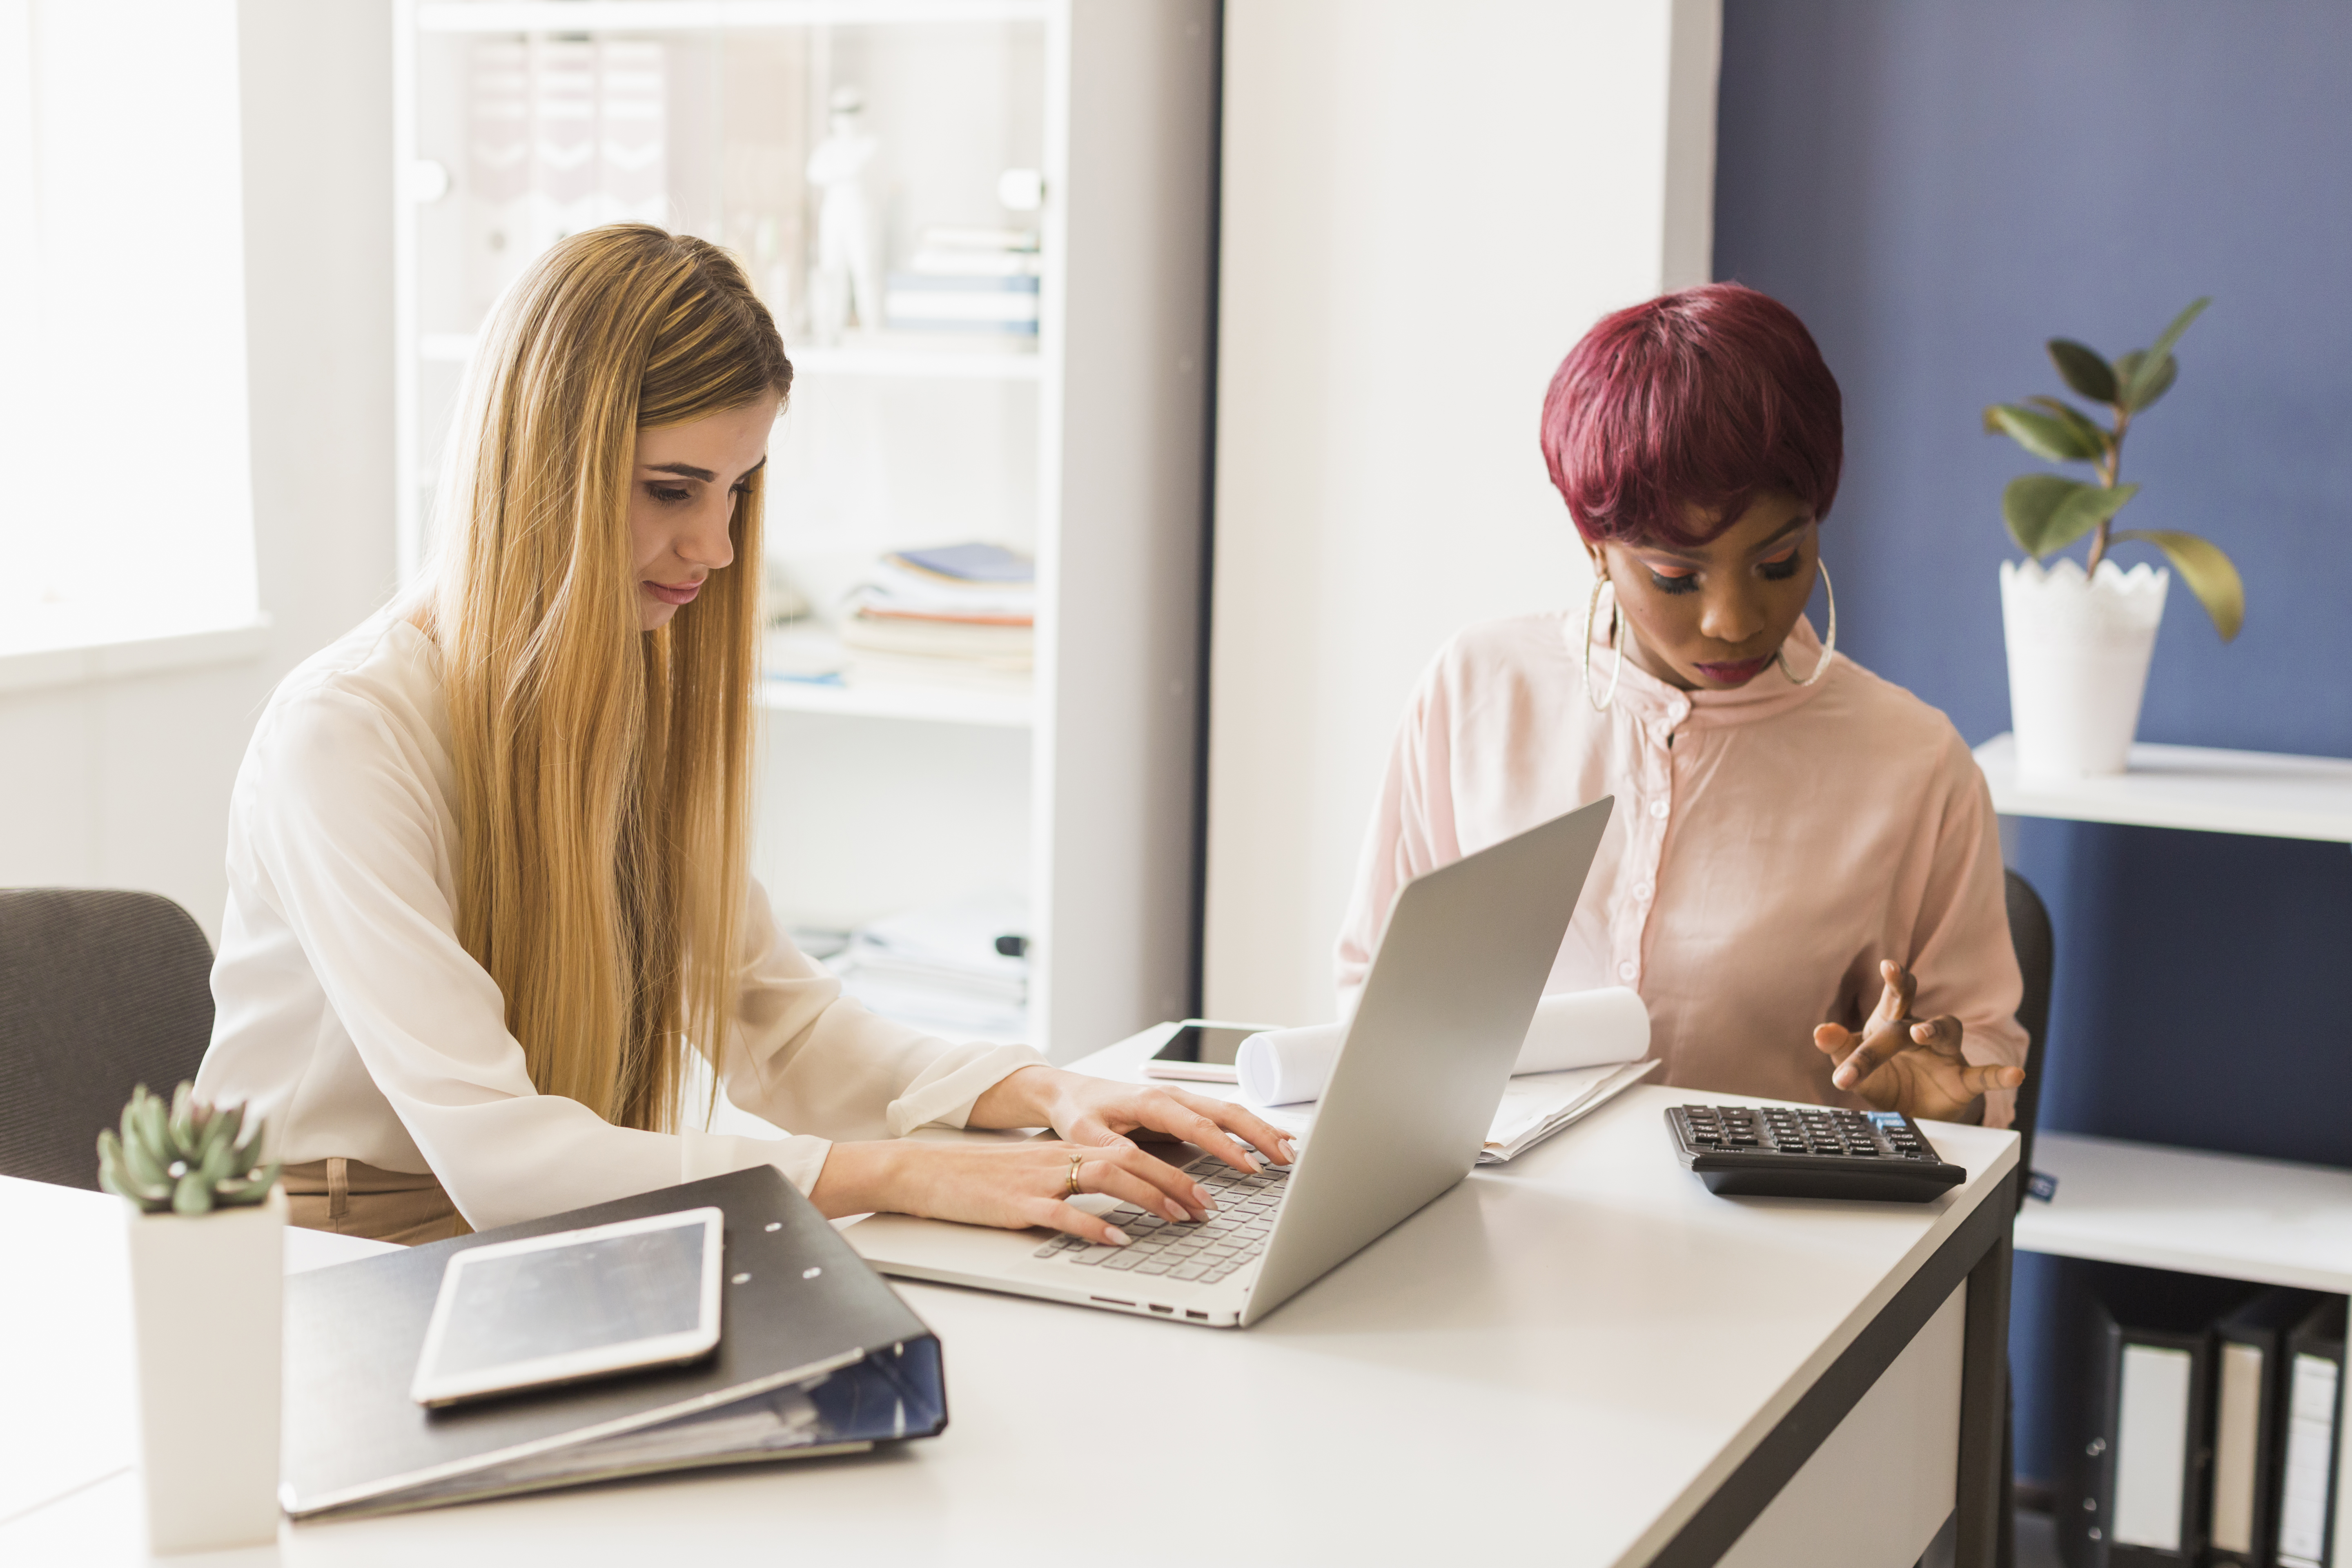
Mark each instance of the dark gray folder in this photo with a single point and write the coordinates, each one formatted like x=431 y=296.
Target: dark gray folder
x=2250 y=1379
x=816 y=1355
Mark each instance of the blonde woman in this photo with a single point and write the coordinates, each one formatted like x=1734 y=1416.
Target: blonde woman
x=487 y=852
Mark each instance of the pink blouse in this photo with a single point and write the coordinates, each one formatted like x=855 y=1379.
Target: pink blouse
x=1769 y=847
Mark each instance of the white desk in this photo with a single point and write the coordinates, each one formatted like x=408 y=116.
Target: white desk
x=1582 y=1357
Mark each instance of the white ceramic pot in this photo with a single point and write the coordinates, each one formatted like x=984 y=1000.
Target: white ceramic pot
x=2078 y=653
x=207 y=1297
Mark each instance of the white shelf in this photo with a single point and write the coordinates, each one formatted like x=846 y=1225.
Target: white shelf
x=694 y=15
x=2270 y=1221
x=897 y=699
x=2264 y=793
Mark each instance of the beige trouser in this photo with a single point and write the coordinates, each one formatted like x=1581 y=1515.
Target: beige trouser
x=354 y=1199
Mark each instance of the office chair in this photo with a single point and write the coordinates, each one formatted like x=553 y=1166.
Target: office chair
x=100 y=991
x=2029 y=933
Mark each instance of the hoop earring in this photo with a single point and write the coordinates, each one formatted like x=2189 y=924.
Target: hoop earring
x=1616 y=643
x=1829 y=643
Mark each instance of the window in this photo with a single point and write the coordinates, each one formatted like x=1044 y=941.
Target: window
x=123 y=431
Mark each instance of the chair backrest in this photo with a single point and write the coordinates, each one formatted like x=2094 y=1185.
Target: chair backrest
x=100 y=991
x=2029 y=933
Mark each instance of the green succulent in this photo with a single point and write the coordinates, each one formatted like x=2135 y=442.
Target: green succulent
x=2051 y=511
x=183 y=1160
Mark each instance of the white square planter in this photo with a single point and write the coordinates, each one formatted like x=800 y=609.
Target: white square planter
x=207 y=1303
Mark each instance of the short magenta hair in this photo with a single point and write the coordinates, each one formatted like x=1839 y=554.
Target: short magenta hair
x=1704 y=397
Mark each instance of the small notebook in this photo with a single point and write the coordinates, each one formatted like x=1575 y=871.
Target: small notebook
x=816 y=1355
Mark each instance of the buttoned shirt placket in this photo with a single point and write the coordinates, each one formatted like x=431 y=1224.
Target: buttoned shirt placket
x=1654 y=808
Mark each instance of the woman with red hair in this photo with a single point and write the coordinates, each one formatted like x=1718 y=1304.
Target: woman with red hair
x=1802 y=876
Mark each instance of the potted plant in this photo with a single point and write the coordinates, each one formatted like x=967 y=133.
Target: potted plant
x=206 y=1224
x=2080 y=636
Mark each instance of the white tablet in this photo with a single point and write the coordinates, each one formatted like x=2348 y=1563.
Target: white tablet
x=577 y=1304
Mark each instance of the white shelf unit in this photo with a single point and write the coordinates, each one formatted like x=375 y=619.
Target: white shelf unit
x=2206 y=790
x=886 y=699
x=1084 y=447
x=2271 y=1221
x=2266 y=1220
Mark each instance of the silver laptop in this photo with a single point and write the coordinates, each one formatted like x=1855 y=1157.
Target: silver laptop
x=1454 y=981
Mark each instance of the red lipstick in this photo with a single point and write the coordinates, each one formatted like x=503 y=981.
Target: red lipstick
x=1740 y=674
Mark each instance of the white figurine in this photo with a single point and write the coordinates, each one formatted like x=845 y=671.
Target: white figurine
x=844 y=284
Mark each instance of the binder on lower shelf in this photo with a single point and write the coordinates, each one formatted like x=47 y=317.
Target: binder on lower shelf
x=2249 y=1400
x=2315 y=1405
x=816 y=1355
x=2144 y=1456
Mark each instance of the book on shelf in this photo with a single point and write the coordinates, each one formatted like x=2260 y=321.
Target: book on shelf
x=2314 y=1431
x=2250 y=1389
x=974 y=603
x=1001 y=648
x=2144 y=1430
x=966 y=280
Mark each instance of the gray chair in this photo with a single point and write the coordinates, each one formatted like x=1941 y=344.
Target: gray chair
x=100 y=991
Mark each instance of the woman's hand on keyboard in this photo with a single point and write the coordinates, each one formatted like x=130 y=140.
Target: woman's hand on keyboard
x=1103 y=1111
x=1013 y=1185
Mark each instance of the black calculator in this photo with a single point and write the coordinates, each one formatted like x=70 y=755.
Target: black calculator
x=1810 y=1151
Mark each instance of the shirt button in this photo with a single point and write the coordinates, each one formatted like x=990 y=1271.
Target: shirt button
x=1642 y=892
x=1625 y=970
x=1657 y=808
x=1678 y=710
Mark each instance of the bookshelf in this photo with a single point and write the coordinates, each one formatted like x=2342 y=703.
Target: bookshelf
x=2272 y=1221
x=2268 y=1220
x=906 y=700
x=2195 y=787
x=1080 y=443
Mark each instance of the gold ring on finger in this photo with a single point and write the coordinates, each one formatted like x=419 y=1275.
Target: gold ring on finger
x=1071 y=1190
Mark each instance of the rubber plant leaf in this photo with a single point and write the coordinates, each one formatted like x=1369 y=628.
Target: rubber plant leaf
x=2038 y=433
x=2152 y=370
x=2074 y=419
x=2181 y=323
x=2159 y=382
x=2085 y=369
x=2211 y=574
x=2028 y=505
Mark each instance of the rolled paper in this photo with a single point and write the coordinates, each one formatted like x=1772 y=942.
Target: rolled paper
x=1281 y=1066
x=1571 y=1029
x=1585 y=1029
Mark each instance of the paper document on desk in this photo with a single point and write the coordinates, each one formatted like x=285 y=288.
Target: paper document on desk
x=1582 y=1049
x=1540 y=1104
x=1535 y=1106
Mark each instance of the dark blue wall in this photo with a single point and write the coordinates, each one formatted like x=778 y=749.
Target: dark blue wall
x=1938 y=185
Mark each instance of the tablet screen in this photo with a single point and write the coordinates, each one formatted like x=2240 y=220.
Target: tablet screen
x=578 y=1304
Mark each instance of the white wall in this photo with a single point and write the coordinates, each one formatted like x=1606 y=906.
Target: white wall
x=1423 y=207
x=125 y=783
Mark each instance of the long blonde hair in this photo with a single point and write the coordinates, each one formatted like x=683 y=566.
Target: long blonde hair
x=604 y=772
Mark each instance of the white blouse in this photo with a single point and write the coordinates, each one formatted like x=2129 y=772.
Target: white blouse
x=350 y=1017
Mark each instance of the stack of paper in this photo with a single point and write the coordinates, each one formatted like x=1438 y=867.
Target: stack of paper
x=973 y=604
x=967 y=280
x=960 y=966
x=1537 y=1105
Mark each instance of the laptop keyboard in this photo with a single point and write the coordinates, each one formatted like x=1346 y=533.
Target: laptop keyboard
x=1204 y=1250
